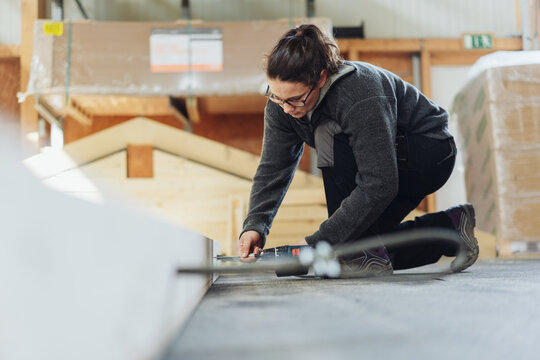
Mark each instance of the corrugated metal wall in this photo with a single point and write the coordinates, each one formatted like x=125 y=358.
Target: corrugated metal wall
x=383 y=18
x=248 y=9
x=423 y=18
x=209 y=10
x=10 y=22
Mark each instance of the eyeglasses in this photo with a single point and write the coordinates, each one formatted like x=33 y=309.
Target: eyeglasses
x=295 y=103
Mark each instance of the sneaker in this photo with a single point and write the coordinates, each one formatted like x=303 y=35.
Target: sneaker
x=369 y=263
x=462 y=217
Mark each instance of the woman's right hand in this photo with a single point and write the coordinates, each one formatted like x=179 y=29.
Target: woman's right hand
x=250 y=243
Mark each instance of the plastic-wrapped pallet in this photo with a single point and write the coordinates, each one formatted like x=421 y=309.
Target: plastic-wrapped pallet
x=155 y=59
x=498 y=115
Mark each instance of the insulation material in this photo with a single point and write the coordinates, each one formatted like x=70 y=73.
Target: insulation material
x=113 y=58
x=498 y=116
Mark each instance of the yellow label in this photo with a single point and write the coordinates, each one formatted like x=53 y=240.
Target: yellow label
x=53 y=28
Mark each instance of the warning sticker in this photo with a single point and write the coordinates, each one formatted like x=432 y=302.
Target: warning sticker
x=53 y=28
x=186 y=49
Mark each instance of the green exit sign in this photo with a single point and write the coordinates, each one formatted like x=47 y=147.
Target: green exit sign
x=478 y=41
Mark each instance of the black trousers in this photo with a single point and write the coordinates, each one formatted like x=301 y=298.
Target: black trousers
x=424 y=165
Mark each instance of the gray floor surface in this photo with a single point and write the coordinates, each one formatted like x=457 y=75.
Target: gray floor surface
x=490 y=311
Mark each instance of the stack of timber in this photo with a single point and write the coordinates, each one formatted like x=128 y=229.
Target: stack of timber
x=188 y=180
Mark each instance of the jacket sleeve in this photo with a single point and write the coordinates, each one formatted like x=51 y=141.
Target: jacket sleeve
x=281 y=152
x=370 y=127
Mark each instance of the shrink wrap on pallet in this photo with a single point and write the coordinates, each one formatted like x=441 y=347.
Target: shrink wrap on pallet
x=498 y=116
x=145 y=58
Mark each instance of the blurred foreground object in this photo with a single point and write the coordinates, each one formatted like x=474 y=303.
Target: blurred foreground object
x=86 y=281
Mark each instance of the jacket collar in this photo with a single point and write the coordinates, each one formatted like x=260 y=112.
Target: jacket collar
x=343 y=70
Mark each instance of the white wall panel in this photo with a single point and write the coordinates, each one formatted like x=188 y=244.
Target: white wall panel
x=422 y=18
x=10 y=22
x=383 y=18
x=86 y=281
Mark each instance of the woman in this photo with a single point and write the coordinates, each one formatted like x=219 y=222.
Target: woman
x=382 y=146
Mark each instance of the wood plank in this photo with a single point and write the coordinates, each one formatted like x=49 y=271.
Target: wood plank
x=174 y=141
x=425 y=70
x=378 y=45
x=103 y=105
x=140 y=161
x=192 y=106
x=509 y=44
x=487 y=244
x=9 y=51
x=463 y=57
x=247 y=104
x=9 y=85
x=125 y=105
x=181 y=191
x=78 y=112
x=431 y=203
x=399 y=63
x=434 y=45
x=75 y=130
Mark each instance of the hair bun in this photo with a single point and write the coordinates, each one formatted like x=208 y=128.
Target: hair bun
x=301 y=54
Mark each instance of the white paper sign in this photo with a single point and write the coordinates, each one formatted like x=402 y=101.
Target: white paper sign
x=178 y=50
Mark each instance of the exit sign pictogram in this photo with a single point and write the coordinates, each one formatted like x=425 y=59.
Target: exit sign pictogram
x=478 y=41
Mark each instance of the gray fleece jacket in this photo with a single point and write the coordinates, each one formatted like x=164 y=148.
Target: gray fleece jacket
x=369 y=104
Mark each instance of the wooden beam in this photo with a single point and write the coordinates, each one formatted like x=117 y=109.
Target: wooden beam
x=110 y=105
x=456 y=57
x=31 y=10
x=232 y=104
x=425 y=70
x=9 y=51
x=140 y=161
x=169 y=139
x=434 y=45
x=399 y=63
x=378 y=45
x=192 y=106
x=78 y=112
x=9 y=85
x=392 y=46
x=451 y=51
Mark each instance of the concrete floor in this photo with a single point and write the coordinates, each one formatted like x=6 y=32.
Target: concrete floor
x=491 y=311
